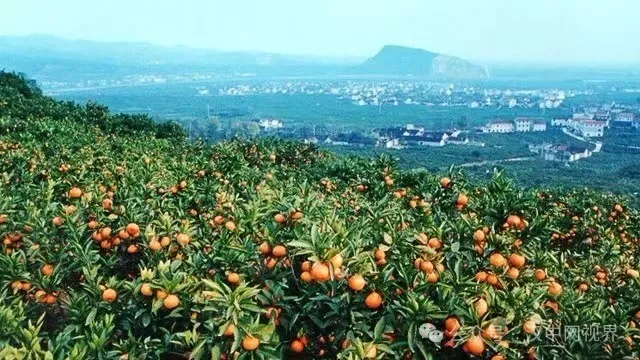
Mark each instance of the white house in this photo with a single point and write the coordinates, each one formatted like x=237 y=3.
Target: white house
x=539 y=125
x=500 y=126
x=589 y=128
x=270 y=124
x=523 y=124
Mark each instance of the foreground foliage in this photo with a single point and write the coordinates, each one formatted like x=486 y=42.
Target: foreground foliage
x=132 y=245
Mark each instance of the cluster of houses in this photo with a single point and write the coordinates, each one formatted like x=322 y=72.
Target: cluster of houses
x=519 y=124
x=593 y=124
x=565 y=153
x=410 y=135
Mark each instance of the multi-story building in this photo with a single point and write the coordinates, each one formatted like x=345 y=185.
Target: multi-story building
x=523 y=124
x=500 y=126
x=589 y=128
x=539 y=125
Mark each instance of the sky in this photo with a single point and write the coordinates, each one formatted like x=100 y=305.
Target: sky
x=593 y=32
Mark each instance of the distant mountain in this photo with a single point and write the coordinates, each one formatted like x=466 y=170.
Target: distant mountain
x=401 y=60
x=55 y=59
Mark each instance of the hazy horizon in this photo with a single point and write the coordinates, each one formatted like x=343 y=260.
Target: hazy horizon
x=494 y=31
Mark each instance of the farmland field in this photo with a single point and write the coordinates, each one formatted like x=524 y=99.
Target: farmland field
x=123 y=240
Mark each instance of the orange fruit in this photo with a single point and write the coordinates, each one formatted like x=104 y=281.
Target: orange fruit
x=183 y=239
x=155 y=245
x=479 y=236
x=445 y=182
x=75 y=193
x=250 y=343
x=540 y=274
x=452 y=324
x=481 y=276
x=475 y=345
x=462 y=200
x=517 y=261
x=513 y=220
x=133 y=229
x=583 y=287
x=279 y=251
x=555 y=289
x=481 y=307
x=230 y=330
x=161 y=294
x=233 y=278
x=434 y=243
x=107 y=204
x=230 y=225
x=513 y=273
x=373 y=300
x=492 y=279
x=171 y=302
x=497 y=260
x=427 y=266
x=297 y=346
x=320 y=272
x=146 y=289
x=297 y=215
x=379 y=254
x=357 y=282
x=57 y=221
x=264 y=248
x=529 y=327
x=306 y=266
x=280 y=218
x=336 y=261
x=47 y=270
x=109 y=295
x=306 y=277
x=132 y=249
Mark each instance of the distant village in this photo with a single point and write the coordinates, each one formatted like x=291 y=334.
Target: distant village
x=586 y=125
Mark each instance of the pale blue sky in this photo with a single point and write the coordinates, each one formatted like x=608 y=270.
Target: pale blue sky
x=567 y=31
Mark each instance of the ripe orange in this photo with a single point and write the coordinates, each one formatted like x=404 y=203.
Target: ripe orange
x=336 y=261
x=517 y=261
x=105 y=232
x=475 y=345
x=109 y=295
x=233 y=278
x=183 y=239
x=497 y=260
x=75 y=193
x=146 y=290
x=432 y=277
x=230 y=330
x=171 y=302
x=279 y=251
x=230 y=225
x=155 y=245
x=306 y=266
x=297 y=215
x=264 y=248
x=47 y=270
x=513 y=220
x=306 y=277
x=373 y=300
x=57 y=221
x=161 y=294
x=133 y=229
x=280 y=218
x=357 y=282
x=452 y=324
x=555 y=289
x=132 y=249
x=513 y=273
x=479 y=236
x=481 y=307
x=463 y=200
x=434 y=243
x=320 y=272
x=426 y=266
x=529 y=327
x=583 y=287
x=492 y=279
x=297 y=346
x=481 y=276
x=379 y=254
x=250 y=343
x=540 y=274
x=445 y=182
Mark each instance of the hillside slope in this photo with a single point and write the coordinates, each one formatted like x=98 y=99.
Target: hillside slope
x=121 y=241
